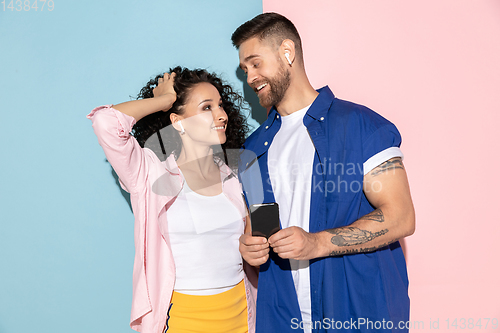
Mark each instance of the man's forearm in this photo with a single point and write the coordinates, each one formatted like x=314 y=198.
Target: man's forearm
x=371 y=232
x=393 y=218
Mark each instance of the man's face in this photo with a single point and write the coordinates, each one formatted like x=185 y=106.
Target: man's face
x=266 y=73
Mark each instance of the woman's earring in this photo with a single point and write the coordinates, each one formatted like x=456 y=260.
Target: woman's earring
x=182 y=128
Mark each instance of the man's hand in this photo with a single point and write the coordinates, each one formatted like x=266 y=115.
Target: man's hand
x=255 y=250
x=295 y=243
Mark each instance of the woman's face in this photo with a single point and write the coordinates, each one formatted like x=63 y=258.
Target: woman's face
x=204 y=119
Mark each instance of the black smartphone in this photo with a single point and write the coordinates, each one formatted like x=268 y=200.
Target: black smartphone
x=265 y=219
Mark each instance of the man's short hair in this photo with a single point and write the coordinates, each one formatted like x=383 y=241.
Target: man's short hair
x=271 y=27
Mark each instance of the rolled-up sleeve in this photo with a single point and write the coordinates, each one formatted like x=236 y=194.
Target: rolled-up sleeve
x=122 y=150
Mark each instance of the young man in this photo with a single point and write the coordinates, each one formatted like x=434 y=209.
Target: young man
x=335 y=170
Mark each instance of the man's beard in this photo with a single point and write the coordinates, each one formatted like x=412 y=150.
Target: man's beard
x=278 y=85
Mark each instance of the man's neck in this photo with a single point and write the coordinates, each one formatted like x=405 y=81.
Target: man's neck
x=299 y=95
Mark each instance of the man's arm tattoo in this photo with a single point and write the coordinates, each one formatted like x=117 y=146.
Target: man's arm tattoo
x=392 y=164
x=362 y=250
x=349 y=236
x=377 y=215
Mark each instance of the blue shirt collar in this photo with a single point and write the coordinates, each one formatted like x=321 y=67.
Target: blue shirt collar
x=321 y=104
x=271 y=126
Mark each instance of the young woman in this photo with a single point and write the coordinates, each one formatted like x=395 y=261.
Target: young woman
x=189 y=211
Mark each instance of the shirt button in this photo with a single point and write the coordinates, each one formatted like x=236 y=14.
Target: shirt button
x=277 y=116
x=267 y=127
x=322 y=118
x=265 y=143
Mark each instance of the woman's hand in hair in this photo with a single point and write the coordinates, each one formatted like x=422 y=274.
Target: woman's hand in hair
x=165 y=90
x=164 y=97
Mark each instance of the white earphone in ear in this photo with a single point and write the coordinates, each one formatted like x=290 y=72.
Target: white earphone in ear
x=287 y=56
x=182 y=127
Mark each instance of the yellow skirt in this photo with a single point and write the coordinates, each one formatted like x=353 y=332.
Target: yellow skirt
x=224 y=312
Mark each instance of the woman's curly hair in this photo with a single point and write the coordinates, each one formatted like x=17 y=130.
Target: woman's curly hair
x=185 y=81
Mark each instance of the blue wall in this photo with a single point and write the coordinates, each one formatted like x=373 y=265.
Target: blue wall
x=66 y=237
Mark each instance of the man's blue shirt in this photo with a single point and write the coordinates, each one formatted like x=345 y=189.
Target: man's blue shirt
x=364 y=290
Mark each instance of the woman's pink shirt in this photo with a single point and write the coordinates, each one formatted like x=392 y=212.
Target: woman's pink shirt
x=153 y=186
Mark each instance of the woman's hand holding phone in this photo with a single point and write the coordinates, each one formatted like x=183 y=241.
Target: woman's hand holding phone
x=254 y=249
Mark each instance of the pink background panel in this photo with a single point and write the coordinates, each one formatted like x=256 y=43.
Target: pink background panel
x=432 y=68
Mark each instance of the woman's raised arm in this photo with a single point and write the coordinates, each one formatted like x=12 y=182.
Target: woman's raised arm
x=113 y=124
x=164 y=98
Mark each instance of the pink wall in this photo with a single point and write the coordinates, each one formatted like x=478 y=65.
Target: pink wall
x=433 y=68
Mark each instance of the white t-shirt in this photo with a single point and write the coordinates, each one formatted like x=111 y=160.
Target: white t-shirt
x=204 y=234
x=290 y=164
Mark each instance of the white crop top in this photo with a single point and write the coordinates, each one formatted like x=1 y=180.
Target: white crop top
x=204 y=234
